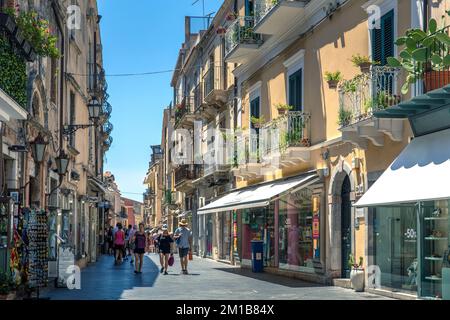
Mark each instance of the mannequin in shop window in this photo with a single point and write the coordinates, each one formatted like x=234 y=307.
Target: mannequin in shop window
x=412 y=273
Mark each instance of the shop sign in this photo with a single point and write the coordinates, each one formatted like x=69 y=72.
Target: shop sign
x=66 y=260
x=315 y=227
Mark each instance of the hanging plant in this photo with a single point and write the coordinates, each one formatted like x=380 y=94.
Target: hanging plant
x=37 y=32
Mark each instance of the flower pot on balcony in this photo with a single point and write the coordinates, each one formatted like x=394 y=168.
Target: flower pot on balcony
x=221 y=31
x=281 y=111
x=332 y=84
x=436 y=79
x=365 y=67
x=357 y=279
x=7 y=23
x=257 y=125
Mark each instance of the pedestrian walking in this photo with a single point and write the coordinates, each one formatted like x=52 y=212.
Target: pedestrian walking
x=131 y=243
x=140 y=241
x=119 y=242
x=110 y=239
x=183 y=237
x=127 y=242
x=164 y=241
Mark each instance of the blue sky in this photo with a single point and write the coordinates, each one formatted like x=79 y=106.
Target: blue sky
x=140 y=36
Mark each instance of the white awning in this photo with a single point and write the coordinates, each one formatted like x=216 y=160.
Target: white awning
x=420 y=173
x=97 y=185
x=10 y=109
x=258 y=196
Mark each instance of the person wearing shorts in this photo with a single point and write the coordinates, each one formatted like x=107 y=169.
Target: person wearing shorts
x=164 y=241
x=183 y=237
x=119 y=243
x=139 y=242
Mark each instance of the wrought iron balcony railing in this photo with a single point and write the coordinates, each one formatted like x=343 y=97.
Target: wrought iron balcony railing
x=187 y=172
x=241 y=32
x=289 y=130
x=213 y=80
x=367 y=93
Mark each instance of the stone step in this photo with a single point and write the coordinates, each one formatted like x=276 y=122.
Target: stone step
x=343 y=283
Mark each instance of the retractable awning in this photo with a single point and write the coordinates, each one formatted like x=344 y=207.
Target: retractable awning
x=420 y=173
x=260 y=195
x=97 y=185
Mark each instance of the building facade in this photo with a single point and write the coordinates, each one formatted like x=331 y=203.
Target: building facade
x=56 y=126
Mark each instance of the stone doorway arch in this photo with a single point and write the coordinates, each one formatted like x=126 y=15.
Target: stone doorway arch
x=341 y=174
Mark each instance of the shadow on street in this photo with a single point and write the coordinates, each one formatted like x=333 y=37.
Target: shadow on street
x=272 y=278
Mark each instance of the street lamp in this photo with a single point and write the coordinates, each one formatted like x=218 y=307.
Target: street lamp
x=94 y=108
x=62 y=162
x=38 y=148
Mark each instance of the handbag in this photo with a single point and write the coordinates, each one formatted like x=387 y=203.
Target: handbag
x=171 y=261
x=190 y=255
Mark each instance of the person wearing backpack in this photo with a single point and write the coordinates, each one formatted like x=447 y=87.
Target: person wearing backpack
x=139 y=242
x=119 y=243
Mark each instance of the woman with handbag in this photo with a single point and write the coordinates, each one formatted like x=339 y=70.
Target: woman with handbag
x=164 y=241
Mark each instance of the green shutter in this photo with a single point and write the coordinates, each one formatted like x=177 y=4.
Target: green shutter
x=387 y=27
x=383 y=39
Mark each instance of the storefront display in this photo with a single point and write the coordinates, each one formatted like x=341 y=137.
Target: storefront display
x=395 y=247
x=435 y=245
x=38 y=249
x=296 y=242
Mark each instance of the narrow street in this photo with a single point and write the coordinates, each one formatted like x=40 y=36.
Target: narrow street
x=207 y=280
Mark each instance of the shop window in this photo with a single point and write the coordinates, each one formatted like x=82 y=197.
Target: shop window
x=435 y=255
x=258 y=224
x=298 y=230
x=395 y=247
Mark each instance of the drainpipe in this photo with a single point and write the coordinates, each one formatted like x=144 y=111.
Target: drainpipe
x=425 y=15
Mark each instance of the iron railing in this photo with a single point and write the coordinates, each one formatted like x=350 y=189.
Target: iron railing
x=289 y=130
x=96 y=80
x=198 y=96
x=241 y=32
x=213 y=80
x=187 y=172
x=367 y=93
x=263 y=7
x=434 y=72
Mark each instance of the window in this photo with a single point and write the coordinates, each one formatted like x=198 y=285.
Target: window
x=383 y=39
x=296 y=90
x=249 y=8
x=53 y=80
x=72 y=119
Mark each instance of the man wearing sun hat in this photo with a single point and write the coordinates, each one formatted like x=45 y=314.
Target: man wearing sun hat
x=184 y=237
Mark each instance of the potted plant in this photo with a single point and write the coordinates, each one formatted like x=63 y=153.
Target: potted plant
x=333 y=79
x=221 y=30
x=344 y=117
x=283 y=108
x=363 y=62
x=231 y=16
x=7 y=285
x=356 y=273
x=422 y=57
x=257 y=122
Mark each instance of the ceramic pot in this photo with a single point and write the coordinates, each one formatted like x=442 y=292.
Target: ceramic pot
x=357 y=279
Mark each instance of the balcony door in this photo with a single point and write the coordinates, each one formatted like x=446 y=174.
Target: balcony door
x=249 y=8
x=296 y=90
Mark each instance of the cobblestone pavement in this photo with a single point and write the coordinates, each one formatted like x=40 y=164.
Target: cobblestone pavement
x=207 y=280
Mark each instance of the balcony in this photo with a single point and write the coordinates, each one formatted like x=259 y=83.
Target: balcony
x=97 y=85
x=247 y=158
x=185 y=174
x=285 y=141
x=241 y=42
x=365 y=94
x=13 y=82
x=274 y=17
x=214 y=87
x=184 y=113
x=201 y=109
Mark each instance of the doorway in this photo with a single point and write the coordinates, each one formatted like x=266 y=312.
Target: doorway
x=346 y=227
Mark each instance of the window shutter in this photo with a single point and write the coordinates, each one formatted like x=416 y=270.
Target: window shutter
x=254 y=106
x=376 y=45
x=387 y=27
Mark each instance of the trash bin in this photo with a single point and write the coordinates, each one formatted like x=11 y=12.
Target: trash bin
x=257 y=256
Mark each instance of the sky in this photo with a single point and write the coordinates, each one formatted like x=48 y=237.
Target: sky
x=140 y=36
